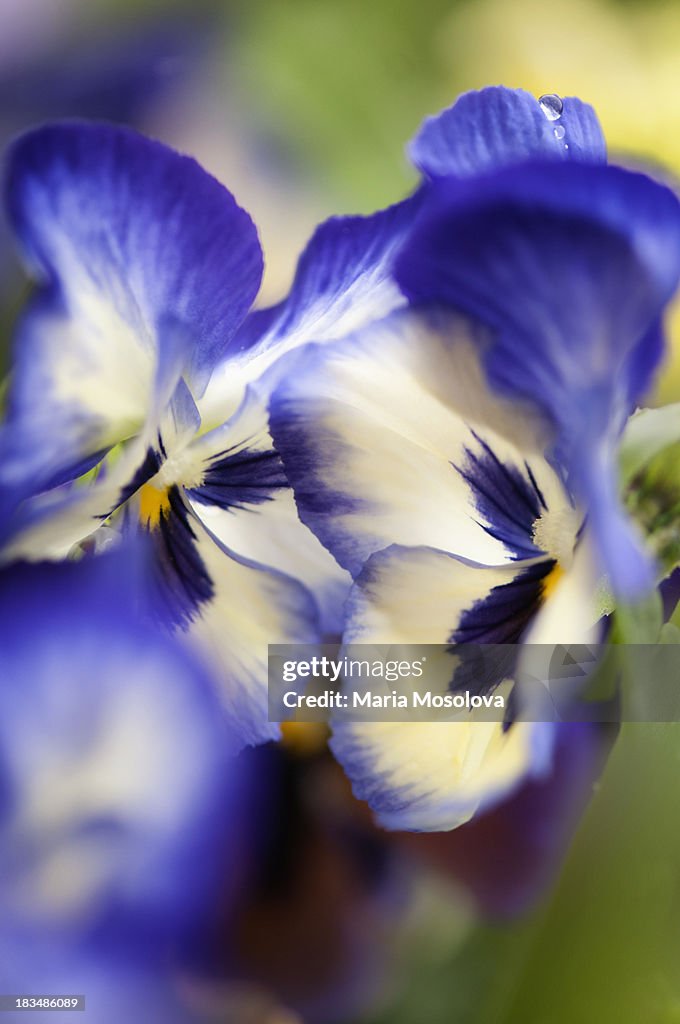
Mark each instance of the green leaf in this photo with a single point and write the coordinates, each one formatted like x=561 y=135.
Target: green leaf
x=675 y=617
x=640 y=623
x=646 y=435
x=670 y=634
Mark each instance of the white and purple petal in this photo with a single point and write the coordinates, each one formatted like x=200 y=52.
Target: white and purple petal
x=235 y=482
x=569 y=267
x=393 y=436
x=343 y=281
x=229 y=607
x=145 y=266
x=427 y=775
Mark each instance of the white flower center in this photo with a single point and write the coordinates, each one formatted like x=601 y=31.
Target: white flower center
x=555 y=533
x=182 y=467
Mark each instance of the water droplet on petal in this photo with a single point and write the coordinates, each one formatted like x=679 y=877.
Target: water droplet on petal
x=551 y=105
x=559 y=132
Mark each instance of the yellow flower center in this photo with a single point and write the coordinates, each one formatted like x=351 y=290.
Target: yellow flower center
x=304 y=738
x=152 y=504
x=549 y=582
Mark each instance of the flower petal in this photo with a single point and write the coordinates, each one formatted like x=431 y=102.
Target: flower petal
x=496 y=127
x=146 y=268
x=392 y=436
x=571 y=342
x=576 y=607
x=533 y=829
x=425 y=596
x=273 y=535
x=49 y=524
x=231 y=609
x=235 y=481
x=103 y=822
x=432 y=776
x=343 y=280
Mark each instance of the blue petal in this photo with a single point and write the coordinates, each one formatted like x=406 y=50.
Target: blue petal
x=570 y=267
x=583 y=133
x=343 y=279
x=118 y=985
x=496 y=127
x=95 y=705
x=146 y=268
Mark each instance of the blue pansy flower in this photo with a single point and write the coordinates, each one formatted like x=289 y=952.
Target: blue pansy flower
x=146 y=268
x=136 y=374
x=134 y=363
x=458 y=458
x=117 y=779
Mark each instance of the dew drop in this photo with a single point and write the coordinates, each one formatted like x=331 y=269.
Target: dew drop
x=551 y=105
x=559 y=132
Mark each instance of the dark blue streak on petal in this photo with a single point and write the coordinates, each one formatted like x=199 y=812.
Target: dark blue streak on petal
x=153 y=460
x=237 y=479
x=534 y=484
x=501 y=617
x=182 y=577
x=508 y=502
x=504 y=614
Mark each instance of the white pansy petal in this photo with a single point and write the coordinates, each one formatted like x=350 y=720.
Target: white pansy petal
x=392 y=436
x=230 y=608
x=48 y=525
x=433 y=776
x=576 y=604
x=239 y=490
x=252 y=606
x=272 y=534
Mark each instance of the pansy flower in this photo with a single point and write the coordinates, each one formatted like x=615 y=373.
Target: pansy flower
x=145 y=269
x=117 y=779
x=138 y=387
x=459 y=458
x=136 y=373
